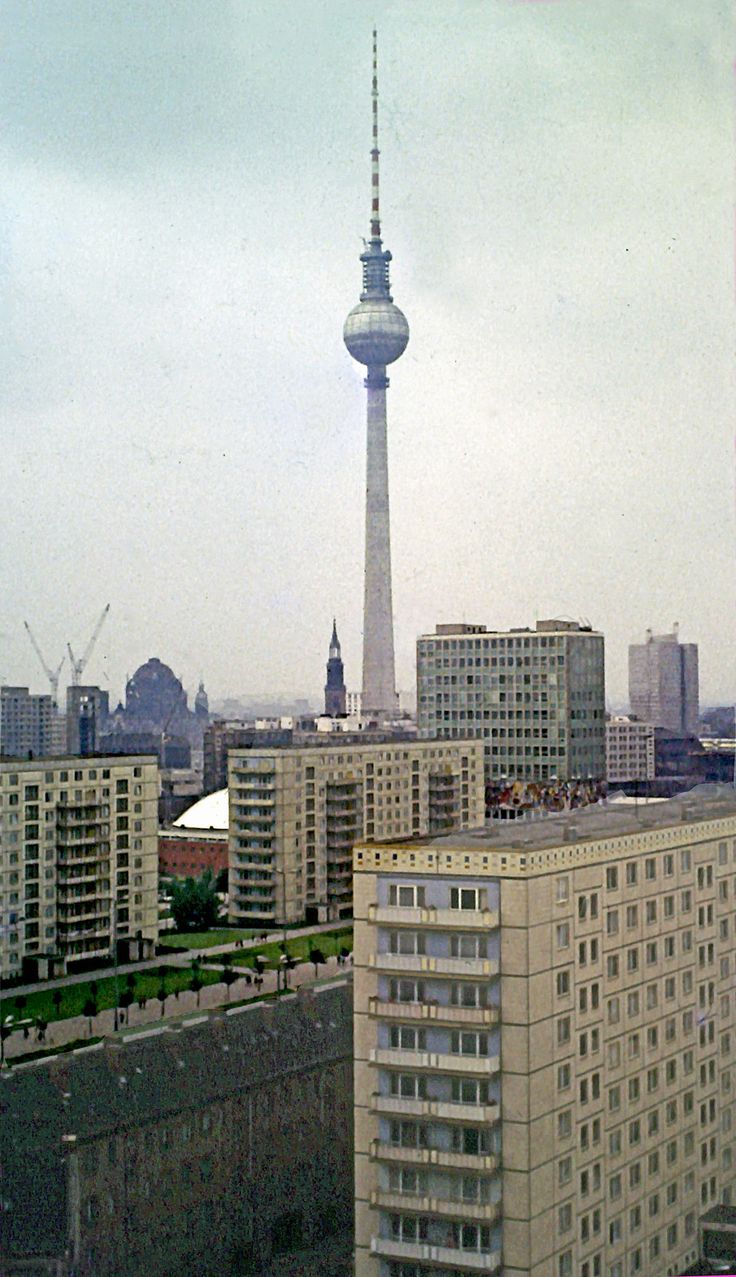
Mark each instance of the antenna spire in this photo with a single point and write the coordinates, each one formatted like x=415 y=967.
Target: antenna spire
x=375 y=213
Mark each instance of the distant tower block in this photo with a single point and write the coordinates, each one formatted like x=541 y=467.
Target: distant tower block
x=376 y=334
x=335 y=693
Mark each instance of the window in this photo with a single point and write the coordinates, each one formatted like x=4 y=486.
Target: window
x=563 y=1077
x=631 y=873
x=468 y=946
x=563 y=890
x=612 y=922
x=563 y=935
x=563 y=983
x=405 y=1038
x=406 y=896
x=563 y=1030
x=564 y=1125
x=464 y=898
x=564 y=1218
x=612 y=878
x=612 y=966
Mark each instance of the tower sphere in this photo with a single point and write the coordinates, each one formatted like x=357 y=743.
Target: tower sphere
x=376 y=332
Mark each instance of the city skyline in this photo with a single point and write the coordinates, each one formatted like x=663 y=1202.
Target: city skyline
x=184 y=430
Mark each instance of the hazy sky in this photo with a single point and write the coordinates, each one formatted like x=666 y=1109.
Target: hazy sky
x=183 y=431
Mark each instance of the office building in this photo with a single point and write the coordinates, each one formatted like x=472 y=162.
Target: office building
x=376 y=334
x=535 y=697
x=544 y=1026
x=295 y=814
x=629 y=750
x=78 y=854
x=335 y=692
x=26 y=723
x=663 y=682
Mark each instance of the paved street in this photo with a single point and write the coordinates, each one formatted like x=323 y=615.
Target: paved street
x=174 y=960
x=185 y=1005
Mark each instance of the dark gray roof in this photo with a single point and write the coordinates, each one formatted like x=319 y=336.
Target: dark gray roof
x=599 y=820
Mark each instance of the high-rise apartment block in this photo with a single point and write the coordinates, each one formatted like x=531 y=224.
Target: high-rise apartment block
x=296 y=813
x=545 y=1081
x=25 y=723
x=535 y=697
x=78 y=861
x=629 y=749
x=663 y=682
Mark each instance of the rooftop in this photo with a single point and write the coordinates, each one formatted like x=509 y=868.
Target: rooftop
x=210 y=812
x=607 y=819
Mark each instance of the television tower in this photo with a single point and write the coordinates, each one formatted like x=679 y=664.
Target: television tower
x=376 y=333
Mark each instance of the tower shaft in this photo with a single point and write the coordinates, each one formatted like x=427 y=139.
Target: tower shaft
x=379 y=677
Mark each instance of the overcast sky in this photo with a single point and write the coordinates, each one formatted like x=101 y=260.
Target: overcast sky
x=183 y=431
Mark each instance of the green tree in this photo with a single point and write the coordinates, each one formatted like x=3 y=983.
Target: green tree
x=317 y=957
x=126 y=1000
x=161 y=995
x=228 y=975
x=20 y=1003
x=57 y=997
x=194 y=903
x=195 y=984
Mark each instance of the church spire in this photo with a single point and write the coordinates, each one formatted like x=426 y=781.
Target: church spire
x=335 y=692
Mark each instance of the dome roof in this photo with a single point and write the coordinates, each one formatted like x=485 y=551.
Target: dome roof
x=210 y=812
x=376 y=332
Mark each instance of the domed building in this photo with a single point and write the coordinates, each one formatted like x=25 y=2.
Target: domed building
x=155 y=702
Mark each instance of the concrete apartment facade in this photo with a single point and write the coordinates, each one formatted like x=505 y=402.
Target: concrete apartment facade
x=296 y=814
x=663 y=682
x=544 y=1043
x=535 y=697
x=78 y=861
x=25 y=723
x=629 y=749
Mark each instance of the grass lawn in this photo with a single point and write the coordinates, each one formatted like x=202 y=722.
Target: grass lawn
x=203 y=939
x=40 y=1006
x=330 y=942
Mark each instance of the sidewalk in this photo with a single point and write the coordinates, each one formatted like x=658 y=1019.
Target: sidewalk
x=172 y=960
x=212 y=996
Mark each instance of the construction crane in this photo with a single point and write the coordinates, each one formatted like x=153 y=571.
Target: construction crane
x=52 y=675
x=78 y=666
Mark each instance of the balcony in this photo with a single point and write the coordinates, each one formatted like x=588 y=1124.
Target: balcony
x=445 y=1207
x=398 y=1106
x=471 y=1260
x=433 y=1012
x=422 y=964
x=382 y=1152
x=393 y=1057
x=430 y=916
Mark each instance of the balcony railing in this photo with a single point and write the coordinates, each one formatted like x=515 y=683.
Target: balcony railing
x=382 y=1152
x=396 y=1105
x=433 y=1011
x=394 y=1057
x=431 y=916
x=422 y=964
x=445 y=1207
x=472 y=1260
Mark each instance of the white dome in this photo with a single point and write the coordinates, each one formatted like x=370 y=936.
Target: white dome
x=210 y=812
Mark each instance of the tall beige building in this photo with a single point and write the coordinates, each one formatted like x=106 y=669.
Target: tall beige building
x=629 y=749
x=78 y=861
x=296 y=814
x=545 y=1082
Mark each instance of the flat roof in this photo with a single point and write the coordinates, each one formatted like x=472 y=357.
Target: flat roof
x=583 y=824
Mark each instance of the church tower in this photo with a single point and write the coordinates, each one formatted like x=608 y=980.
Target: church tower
x=335 y=685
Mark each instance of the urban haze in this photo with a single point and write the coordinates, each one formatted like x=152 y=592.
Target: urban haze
x=186 y=187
